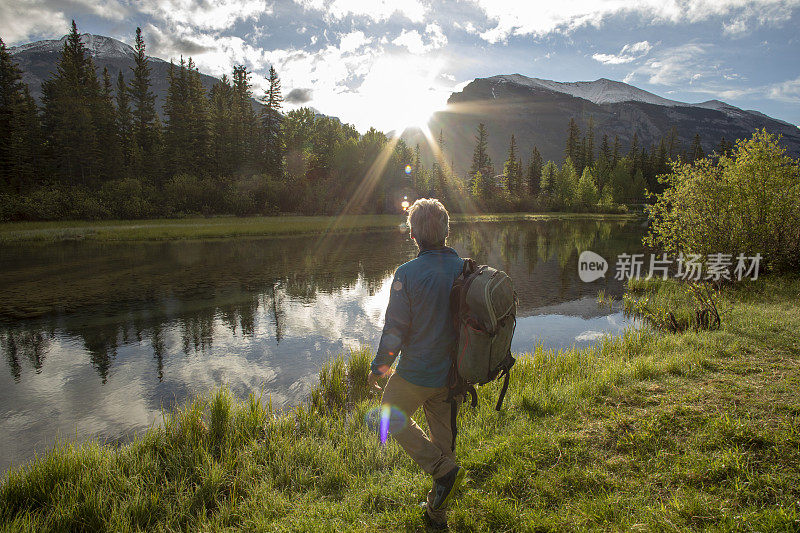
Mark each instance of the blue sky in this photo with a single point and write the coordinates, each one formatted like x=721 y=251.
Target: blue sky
x=391 y=63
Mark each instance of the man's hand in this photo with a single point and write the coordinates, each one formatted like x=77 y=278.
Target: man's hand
x=372 y=379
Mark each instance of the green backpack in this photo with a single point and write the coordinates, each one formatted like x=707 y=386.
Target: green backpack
x=484 y=307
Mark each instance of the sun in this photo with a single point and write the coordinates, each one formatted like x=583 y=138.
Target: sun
x=403 y=91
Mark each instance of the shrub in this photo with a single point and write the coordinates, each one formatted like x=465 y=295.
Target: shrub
x=748 y=202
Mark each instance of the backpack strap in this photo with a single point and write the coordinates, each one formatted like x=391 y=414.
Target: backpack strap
x=506 y=373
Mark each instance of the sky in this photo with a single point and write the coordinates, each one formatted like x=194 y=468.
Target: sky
x=389 y=64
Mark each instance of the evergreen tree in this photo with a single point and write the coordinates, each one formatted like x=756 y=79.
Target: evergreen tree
x=588 y=158
x=146 y=159
x=634 y=153
x=19 y=128
x=573 y=141
x=616 y=152
x=271 y=117
x=177 y=137
x=603 y=165
x=511 y=168
x=244 y=118
x=534 y=174
x=673 y=144
x=696 y=151
x=125 y=139
x=70 y=96
x=107 y=134
x=482 y=163
x=197 y=121
x=724 y=148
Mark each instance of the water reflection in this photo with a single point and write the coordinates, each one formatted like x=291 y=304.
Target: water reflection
x=98 y=336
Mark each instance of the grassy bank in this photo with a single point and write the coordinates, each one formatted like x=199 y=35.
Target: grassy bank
x=220 y=227
x=649 y=431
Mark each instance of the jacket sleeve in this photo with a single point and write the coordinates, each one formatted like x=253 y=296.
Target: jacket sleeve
x=396 y=324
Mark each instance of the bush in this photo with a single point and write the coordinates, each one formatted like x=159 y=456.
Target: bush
x=126 y=198
x=746 y=203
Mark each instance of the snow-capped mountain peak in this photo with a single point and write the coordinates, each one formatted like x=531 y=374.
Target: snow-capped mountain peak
x=602 y=91
x=96 y=45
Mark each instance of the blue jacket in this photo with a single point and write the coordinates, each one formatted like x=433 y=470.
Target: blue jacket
x=418 y=324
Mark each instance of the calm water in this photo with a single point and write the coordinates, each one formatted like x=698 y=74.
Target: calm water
x=95 y=338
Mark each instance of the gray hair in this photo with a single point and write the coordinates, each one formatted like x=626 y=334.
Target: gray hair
x=429 y=221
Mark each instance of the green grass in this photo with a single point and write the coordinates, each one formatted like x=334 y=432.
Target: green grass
x=650 y=431
x=221 y=227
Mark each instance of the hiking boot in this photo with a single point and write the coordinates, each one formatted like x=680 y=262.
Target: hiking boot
x=430 y=523
x=446 y=486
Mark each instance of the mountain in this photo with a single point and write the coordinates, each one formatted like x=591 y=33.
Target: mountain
x=537 y=112
x=38 y=61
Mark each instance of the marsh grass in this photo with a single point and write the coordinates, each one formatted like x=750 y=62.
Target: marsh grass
x=223 y=227
x=647 y=431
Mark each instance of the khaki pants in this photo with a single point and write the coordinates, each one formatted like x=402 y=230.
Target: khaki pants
x=432 y=454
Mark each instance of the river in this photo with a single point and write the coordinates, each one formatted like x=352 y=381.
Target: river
x=98 y=337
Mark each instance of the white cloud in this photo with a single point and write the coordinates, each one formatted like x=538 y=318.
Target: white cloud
x=212 y=53
x=512 y=17
x=377 y=10
x=677 y=65
x=21 y=20
x=629 y=52
x=353 y=41
x=786 y=91
x=205 y=14
x=413 y=40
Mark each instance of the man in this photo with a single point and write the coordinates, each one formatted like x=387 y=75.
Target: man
x=419 y=328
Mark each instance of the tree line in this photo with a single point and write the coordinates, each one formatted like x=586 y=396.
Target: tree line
x=594 y=179
x=96 y=147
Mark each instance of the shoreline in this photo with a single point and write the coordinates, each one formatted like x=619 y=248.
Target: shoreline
x=200 y=228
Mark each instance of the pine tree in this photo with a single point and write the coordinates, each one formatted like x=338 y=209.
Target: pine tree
x=673 y=144
x=176 y=129
x=633 y=154
x=696 y=151
x=511 y=168
x=70 y=96
x=481 y=162
x=198 y=121
x=245 y=124
x=724 y=148
x=588 y=157
x=273 y=147
x=616 y=153
x=146 y=160
x=602 y=167
x=573 y=140
x=106 y=126
x=19 y=128
x=124 y=126
x=534 y=174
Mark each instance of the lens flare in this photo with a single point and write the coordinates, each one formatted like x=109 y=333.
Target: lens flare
x=385 y=419
x=404 y=204
x=386 y=415
x=408 y=169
